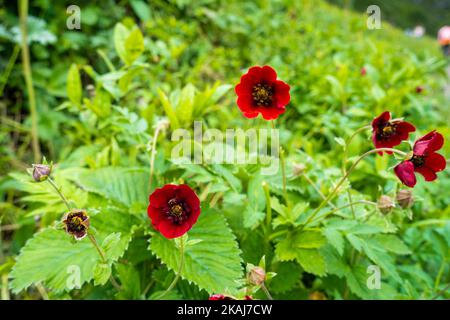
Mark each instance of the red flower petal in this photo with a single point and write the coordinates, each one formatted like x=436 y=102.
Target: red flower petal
x=171 y=230
x=269 y=74
x=435 y=162
x=427 y=173
x=282 y=96
x=405 y=172
x=160 y=196
x=430 y=142
x=271 y=113
x=403 y=129
x=382 y=118
x=189 y=196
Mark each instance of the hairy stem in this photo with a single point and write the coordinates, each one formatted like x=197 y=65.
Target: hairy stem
x=58 y=190
x=264 y=288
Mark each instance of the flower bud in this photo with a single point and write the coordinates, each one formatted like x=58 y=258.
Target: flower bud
x=298 y=169
x=405 y=198
x=41 y=172
x=76 y=223
x=256 y=276
x=385 y=204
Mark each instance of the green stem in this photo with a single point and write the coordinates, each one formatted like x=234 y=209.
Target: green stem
x=177 y=277
x=103 y=259
x=63 y=198
x=97 y=247
x=277 y=234
x=283 y=167
x=351 y=204
x=335 y=190
x=9 y=68
x=311 y=183
x=23 y=12
x=283 y=173
x=268 y=208
x=344 y=162
x=263 y=287
x=153 y=154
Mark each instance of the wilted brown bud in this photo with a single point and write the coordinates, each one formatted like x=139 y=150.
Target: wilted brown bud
x=298 y=169
x=76 y=223
x=385 y=204
x=317 y=295
x=405 y=198
x=256 y=276
x=41 y=172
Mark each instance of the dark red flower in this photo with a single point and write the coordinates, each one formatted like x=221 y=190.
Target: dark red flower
x=224 y=297
x=388 y=133
x=76 y=223
x=363 y=71
x=419 y=89
x=173 y=209
x=219 y=297
x=260 y=92
x=424 y=160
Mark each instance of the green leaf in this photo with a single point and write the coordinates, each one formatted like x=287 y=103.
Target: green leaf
x=312 y=261
x=74 y=90
x=130 y=282
x=134 y=46
x=392 y=243
x=52 y=258
x=120 y=36
x=111 y=246
x=309 y=239
x=128 y=186
x=185 y=105
x=288 y=274
x=169 y=110
x=102 y=272
x=335 y=238
x=214 y=264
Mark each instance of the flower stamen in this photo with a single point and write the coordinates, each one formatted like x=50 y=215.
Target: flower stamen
x=262 y=94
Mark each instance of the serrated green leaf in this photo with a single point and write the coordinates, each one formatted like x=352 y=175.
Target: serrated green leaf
x=127 y=186
x=288 y=274
x=335 y=238
x=392 y=243
x=102 y=272
x=312 y=261
x=52 y=258
x=111 y=245
x=214 y=264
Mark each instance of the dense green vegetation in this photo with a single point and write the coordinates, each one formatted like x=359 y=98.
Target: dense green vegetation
x=105 y=92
